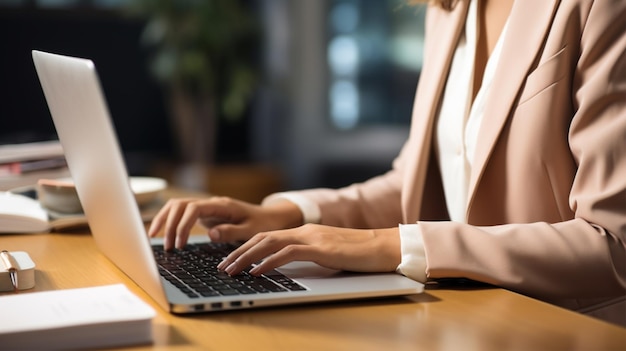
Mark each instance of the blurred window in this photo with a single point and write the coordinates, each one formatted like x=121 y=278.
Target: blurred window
x=374 y=56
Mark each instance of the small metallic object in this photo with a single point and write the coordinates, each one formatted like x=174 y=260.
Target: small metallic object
x=11 y=266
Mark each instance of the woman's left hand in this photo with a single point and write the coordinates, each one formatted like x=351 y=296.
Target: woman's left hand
x=357 y=250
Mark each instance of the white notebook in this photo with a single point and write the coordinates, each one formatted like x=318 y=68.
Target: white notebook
x=95 y=317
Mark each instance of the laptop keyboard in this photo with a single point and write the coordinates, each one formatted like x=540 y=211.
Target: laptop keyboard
x=194 y=271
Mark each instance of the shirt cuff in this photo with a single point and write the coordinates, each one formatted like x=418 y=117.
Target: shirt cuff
x=413 y=264
x=310 y=210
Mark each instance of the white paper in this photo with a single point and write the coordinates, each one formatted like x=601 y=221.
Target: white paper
x=19 y=213
x=72 y=307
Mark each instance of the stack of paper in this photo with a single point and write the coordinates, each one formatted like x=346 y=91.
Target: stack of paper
x=24 y=164
x=98 y=317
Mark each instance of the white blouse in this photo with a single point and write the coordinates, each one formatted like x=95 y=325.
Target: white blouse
x=456 y=133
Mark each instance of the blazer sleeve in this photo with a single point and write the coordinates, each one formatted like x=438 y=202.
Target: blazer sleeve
x=580 y=257
x=374 y=203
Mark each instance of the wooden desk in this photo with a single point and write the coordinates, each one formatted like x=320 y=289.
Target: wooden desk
x=481 y=319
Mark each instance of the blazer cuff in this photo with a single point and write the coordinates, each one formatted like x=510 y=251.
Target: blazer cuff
x=413 y=264
x=310 y=210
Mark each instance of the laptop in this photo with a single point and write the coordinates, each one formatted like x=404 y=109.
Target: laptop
x=80 y=114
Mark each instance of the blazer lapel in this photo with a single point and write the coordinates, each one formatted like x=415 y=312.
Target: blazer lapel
x=445 y=29
x=527 y=28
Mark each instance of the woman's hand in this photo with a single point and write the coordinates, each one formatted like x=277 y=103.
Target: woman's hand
x=337 y=248
x=226 y=219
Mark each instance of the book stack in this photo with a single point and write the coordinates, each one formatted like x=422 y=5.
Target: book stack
x=23 y=164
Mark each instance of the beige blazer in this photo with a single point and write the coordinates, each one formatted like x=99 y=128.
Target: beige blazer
x=547 y=207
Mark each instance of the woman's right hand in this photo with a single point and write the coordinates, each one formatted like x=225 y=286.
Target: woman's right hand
x=226 y=219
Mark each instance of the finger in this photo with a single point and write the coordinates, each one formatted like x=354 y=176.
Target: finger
x=267 y=245
x=227 y=232
x=159 y=219
x=233 y=256
x=238 y=251
x=186 y=222
x=175 y=213
x=286 y=255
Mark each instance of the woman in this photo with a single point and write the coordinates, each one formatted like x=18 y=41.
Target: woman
x=514 y=173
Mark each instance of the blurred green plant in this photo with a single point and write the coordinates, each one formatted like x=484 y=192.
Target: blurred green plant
x=203 y=48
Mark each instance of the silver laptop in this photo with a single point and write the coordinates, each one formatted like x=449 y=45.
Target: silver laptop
x=81 y=117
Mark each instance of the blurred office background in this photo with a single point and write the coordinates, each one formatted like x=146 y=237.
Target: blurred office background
x=329 y=98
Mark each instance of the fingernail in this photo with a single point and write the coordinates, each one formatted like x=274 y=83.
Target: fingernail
x=214 y=234
x=254 y=270
x=222 y=264
x=231 y=268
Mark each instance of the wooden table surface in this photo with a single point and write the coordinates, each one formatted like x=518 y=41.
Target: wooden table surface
x=440 y=319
